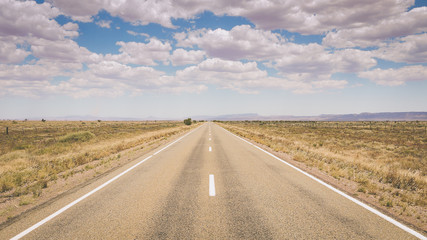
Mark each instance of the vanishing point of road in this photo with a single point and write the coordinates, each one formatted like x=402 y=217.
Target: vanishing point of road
x=209 y=184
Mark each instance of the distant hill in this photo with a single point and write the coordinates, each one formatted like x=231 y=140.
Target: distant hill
x=94 y=118
x=385 y=116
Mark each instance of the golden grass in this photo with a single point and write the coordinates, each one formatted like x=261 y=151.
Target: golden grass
x=387 y=160
x=34 y=153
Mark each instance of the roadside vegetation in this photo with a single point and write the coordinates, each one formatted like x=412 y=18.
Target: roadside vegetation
x=386 y=161
x=36 y=154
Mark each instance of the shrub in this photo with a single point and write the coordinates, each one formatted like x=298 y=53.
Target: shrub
x=187 y=121
x=83 y=136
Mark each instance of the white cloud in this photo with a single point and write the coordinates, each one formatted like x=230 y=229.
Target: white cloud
x=112 y=79
x=138 y=34
x=142 y=53
x=312 y=60
x=241 y=42
x=72 y=27
x=246 y=43
x=409 y=49
x=29 y=19
x=405 y=23
x=79 y=10
x=106 y=79
x=328 y=84
x=10 y=53
x=304 y=68
x=114 y=70
x=248 y=78
x=133 y=11
x=30 y=80
x=28 y=72
x=314 y=16
x=104 y=23
x=395 y=77
x=235 y=75
x=28 y=26
x=224 y=58
x=66 y=51
x=353 y=60
x=183 y=57
x=306 y=17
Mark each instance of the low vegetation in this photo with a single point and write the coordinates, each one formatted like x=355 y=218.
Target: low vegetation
x=387 y=161
x=34 y=154
x=187 y=121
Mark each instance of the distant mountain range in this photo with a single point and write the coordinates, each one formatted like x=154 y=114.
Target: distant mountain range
x=385 y=116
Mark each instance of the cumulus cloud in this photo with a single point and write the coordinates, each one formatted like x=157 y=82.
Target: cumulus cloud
x=410 y=49
x=241 y=42
x=181 y=57
x=246 y=43
x=79 y=10
x=104 y=23
x=137 y=34
x=28 y=72
x=405 y=23
x=10 y=53
x=30 y=80
x=314 y=16
x=235 y=75
x=29 y=19
x=142 y=53
x=28 y=26
x=306 y=17
x=105 y=78
x=248 y=78
x=135 y=12
x=314 y=59
x=112 y=79
x=66 y=51
x=225 y=58
x=395 y=77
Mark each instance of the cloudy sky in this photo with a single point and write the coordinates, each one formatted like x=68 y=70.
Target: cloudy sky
x=178 y=58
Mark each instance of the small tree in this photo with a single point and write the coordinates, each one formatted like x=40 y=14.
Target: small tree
x=187 y=121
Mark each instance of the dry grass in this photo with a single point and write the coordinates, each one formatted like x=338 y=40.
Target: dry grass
x=386 y=160
x=35 y=153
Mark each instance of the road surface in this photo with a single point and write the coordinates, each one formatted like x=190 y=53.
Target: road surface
x=208 y=185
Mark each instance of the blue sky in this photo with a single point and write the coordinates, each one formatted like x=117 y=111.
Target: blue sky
x=174 y=59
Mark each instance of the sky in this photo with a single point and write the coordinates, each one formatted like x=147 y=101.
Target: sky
x=173 y=59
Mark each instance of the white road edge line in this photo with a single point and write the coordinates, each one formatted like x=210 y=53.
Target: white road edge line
x=211 y=185
x=50 y=217
x=367 y=207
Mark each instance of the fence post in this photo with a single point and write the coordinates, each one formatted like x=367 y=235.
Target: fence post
x=7 y=130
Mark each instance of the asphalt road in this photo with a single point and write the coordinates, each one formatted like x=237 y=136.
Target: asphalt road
x=168 y=197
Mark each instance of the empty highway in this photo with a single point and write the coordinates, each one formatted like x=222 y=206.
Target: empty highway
x=207 y=185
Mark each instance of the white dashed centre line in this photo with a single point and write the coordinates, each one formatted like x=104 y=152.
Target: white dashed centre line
x=210 y=149
x=211 y=185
